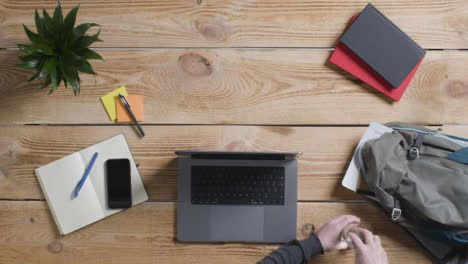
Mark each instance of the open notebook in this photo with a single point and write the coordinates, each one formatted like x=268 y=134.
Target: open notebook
x=59 y=178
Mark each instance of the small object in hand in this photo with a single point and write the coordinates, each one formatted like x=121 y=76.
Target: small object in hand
x=351 y=228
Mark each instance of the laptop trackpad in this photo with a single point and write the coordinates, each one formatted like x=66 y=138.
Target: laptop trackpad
x=233 y=223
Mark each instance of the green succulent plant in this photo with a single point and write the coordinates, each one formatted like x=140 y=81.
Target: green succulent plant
x=59 y=50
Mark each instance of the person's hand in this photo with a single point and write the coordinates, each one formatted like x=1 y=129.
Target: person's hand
x=370 y=251
x=330 y=233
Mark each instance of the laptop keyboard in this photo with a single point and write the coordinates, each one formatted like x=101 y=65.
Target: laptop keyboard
x=237 y=185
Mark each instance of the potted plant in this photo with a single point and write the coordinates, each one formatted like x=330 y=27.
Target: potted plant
x=59 y=50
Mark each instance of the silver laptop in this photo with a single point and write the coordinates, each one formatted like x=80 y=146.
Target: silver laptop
x=237 y=196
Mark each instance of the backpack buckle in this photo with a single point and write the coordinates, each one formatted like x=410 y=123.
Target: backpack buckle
x=413 y=153
x=396 y=213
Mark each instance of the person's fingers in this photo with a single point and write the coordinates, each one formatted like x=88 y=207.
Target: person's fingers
x=344 y=220
x=368 y=236
x=349 y=218
x=357 y=242
x=377 y=240
x=384 y=257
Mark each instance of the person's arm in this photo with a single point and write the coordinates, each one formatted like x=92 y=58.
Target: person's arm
x=295 y=252
x=327 y=239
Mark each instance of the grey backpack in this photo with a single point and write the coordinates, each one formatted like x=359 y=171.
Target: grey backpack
x=420 y=178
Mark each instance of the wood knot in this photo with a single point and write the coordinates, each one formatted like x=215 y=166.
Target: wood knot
x=8 y=151
x=308 y=229
x=213 y=30
x=199 y=2
x=237 y=145
x=285 y=131
x=55 y=247
x=457 y=89
x=195 y=65
x=32 y=220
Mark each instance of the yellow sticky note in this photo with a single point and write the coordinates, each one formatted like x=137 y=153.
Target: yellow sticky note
x=108 y=101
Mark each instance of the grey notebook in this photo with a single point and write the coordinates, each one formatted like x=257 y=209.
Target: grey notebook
x=382 y=45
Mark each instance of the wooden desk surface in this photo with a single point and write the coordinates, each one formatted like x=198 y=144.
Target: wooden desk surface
x=218 y=75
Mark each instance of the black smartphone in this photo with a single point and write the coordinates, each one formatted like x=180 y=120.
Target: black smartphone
x=119 y=184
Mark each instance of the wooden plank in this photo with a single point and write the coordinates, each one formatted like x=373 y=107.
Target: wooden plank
x=326 y=153
x=241 y=86
x=246 y=23
x=146 y=234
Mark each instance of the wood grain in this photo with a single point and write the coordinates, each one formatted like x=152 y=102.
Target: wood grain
x=271 y=70
x=243 y=23
x=239 y=86
x=326 y=153
x=29 y=235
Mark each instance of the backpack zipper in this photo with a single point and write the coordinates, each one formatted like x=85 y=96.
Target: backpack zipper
x=457 y=140
x=396 y=211
x=414 y=152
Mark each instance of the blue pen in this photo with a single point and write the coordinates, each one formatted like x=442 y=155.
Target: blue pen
x=85 y=175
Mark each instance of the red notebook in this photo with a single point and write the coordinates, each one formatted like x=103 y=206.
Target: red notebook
x=347 y=60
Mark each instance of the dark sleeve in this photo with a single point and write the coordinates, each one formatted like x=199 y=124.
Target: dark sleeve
x=295 y=252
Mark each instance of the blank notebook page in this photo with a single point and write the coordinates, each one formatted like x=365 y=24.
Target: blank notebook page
x=113 y=148
x=58 y=180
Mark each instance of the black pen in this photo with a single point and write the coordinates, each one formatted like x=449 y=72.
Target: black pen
x=127 y=106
